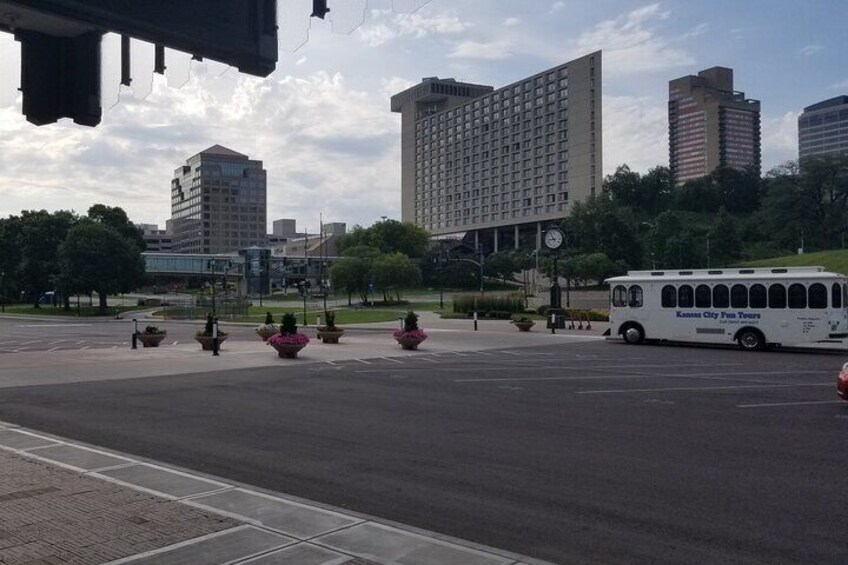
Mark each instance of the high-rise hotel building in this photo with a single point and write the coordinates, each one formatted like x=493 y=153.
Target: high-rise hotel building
x=499 y=165
x=710 y=125
x=823 y=129
x=218 y=203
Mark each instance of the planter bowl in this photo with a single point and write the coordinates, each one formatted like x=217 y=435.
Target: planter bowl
x=330 y=336
x=524 y=326
x=409 y=343
x=205 y=341
x=288 y=351
x=267 y=330
x=151 y=340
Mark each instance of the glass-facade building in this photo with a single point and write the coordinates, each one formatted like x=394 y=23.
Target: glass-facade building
x=501 y=163
x=823 y=129
x=218 y=203
x=710 y=125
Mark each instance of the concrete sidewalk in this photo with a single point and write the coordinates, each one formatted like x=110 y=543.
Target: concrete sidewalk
x=365 y=341
x=63 y=502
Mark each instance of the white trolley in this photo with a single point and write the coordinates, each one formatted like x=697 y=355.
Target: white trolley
x=754 y=308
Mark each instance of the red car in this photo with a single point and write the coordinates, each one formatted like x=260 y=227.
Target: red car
x=842 y=383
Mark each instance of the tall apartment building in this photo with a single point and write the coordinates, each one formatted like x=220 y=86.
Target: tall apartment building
x=710 y=125
x=498 y=165
x=218 y=203
x=823 y=129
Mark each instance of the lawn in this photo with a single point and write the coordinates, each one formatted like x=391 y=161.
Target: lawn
x=835 y=261
x=343 y=315
x=84 y=311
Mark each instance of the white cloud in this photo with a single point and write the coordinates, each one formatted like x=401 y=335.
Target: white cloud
x=635 y=132
x=386 y=25
x=631 y=44
x=324 y=144
x=557 y=6
x=495 y=50
x=509 y=22
x=779 y=139
x=838 y=85
x=811 y=49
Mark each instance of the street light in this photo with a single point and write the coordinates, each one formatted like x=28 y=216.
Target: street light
x=213 y=265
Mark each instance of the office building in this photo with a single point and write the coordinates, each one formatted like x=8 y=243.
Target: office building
x=218 y=203
x=710 y=125
x=823 y=129
x=156 y=240
x=496 y=166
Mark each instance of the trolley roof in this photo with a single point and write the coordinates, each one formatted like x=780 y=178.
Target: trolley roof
x=736 y=273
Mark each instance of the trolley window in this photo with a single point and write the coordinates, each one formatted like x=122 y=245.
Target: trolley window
x=721 y=296
x=758 y=296
x=817 y=296
x=635 y=296
x=619 y=296
x=777 y=296
x=739 y=296
x=836 y=296
x=669 y=296
x=703 y=296
x=685 y=296
x=797 y=296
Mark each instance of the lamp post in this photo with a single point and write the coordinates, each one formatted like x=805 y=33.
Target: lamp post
x=212 y=264
x=440 y=261
x=3 y=291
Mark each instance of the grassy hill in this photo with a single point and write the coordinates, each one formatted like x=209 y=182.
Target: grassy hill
x=835 y=261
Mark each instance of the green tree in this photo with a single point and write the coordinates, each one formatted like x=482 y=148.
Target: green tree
x=116 y=218
x=41 y=234
x=599 y=225
x=95 y=257
x=10 y=258
x=650 y=194
x=394 y=272
x=351 y=274
x=724 y=243
x=389 y=236
x=503 y=265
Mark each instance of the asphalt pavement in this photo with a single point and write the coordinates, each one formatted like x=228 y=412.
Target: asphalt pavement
x=582 y=451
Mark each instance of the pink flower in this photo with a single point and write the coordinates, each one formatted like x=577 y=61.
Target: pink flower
x=413 y=334
x=288 y=339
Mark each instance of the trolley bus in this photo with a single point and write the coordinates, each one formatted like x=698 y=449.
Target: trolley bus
x=754 y=308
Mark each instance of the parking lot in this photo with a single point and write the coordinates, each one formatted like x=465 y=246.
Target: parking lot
x=18 y=335
x=582 y=451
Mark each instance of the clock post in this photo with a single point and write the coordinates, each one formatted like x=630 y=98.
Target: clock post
x=554 y=239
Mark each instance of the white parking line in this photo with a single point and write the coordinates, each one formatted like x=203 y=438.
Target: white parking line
x=362 y=361
x=689 y=388
x=53 y=349
x=54 y=325
x=769 y=405
x=392 y=360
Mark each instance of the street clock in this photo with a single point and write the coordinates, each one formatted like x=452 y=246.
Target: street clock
x=554 y=238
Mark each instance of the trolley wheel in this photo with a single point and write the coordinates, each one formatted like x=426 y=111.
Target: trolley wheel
x=633 y=333
x=751 y=340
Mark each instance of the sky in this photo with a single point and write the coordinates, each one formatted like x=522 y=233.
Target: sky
x=321 y=122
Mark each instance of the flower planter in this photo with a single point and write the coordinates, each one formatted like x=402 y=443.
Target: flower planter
x=330 y=336
x=267 y=330
x=409 y=343
x=287 y=350
x=205 y=341
x=151 y=340
x=524 y=326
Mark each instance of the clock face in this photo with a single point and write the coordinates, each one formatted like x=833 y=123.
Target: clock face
x=553 y=238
